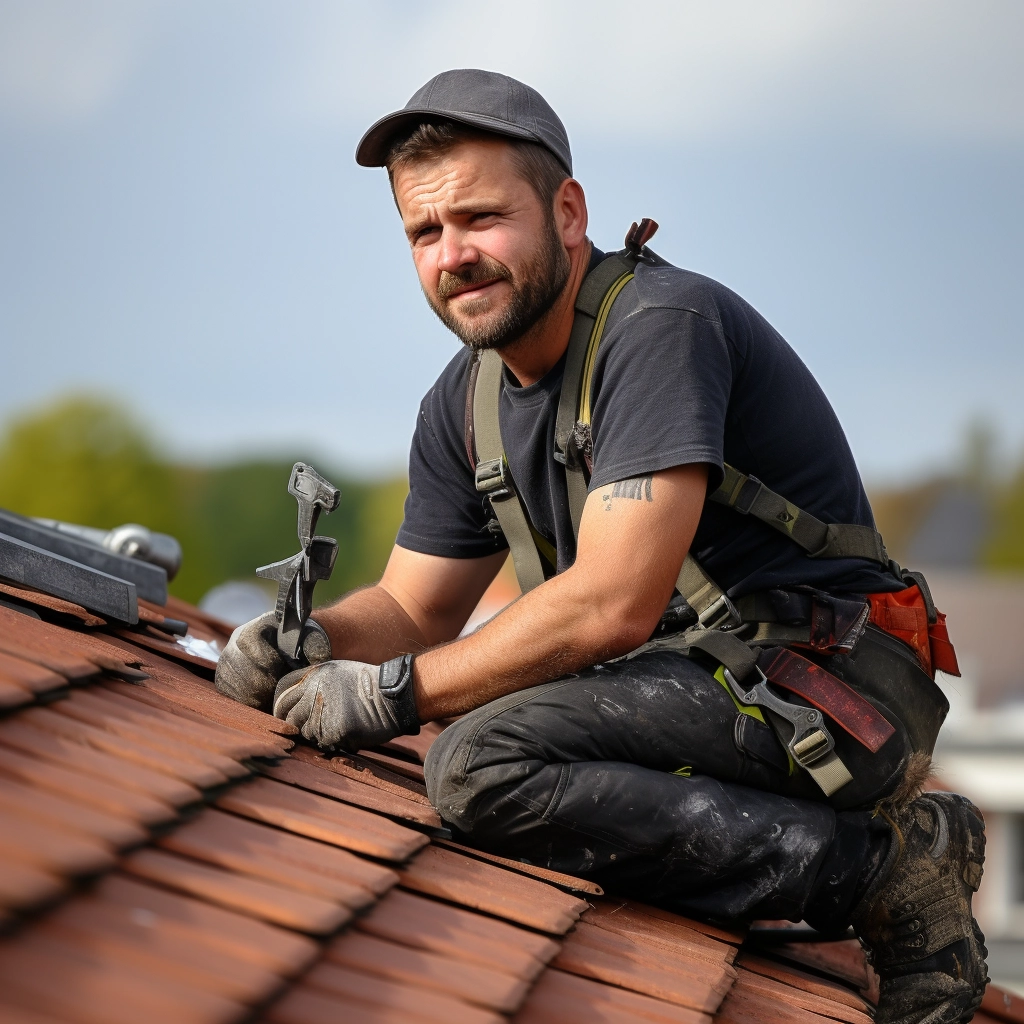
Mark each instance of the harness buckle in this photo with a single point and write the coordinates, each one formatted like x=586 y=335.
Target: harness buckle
x=492 y=479
x=811 y=742
x=720 y=614
x=755 y=493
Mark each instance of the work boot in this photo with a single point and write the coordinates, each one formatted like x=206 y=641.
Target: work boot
x=915 y=918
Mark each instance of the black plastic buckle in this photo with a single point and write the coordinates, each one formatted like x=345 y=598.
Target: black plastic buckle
x=744 y=509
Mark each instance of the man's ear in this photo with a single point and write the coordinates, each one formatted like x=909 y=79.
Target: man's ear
x=570 y=210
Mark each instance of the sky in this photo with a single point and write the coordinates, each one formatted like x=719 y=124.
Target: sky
x=183 y=227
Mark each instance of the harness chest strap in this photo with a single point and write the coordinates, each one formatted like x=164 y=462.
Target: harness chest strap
x=492 y=476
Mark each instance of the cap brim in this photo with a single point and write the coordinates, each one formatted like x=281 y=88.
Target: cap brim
x=373 y=147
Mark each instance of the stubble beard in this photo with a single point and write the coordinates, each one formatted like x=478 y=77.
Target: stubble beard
x=541 y=280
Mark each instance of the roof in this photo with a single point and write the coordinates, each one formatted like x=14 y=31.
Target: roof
x=983 y=612
x=168 y=855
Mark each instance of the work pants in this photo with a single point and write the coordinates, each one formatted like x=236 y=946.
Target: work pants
x=643 y=776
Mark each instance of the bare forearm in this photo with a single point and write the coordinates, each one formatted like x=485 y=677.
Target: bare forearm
x=633 y=538
x=370 y=625
x=552 y=631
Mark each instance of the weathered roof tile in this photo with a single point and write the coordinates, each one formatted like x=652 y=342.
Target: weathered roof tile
x=312 y=892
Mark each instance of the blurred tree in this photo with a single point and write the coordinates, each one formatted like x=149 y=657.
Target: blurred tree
x=1005 y=547
x=978 y=453
x=87 y=461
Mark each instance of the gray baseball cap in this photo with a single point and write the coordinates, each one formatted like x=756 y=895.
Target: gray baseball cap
x=483 y=99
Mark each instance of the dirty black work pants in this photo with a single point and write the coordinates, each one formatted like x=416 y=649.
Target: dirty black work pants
x=578 y=775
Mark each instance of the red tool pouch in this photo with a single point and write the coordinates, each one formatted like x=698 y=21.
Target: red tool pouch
x=905 y=615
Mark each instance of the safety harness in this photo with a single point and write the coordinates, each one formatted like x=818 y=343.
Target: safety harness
x=751 y=637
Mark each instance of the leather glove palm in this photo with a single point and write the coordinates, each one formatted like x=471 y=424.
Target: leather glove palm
x=350 y=704
x=251 y=664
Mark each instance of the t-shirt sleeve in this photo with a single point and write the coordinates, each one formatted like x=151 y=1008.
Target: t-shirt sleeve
x=661 y=386
x=444 y=513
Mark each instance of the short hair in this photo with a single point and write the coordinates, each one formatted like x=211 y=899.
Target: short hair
x=536 y=164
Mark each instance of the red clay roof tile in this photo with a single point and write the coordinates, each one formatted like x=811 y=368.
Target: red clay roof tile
x=473 y=883
x=84 y=986
x=56 y=810
x=327 y=783
x=222 y=930
x=129 y=745
x=472 y=983
x=461 y=934
x=25 y=886
x=560 y=998
x=262 y=899
x=569 y=882
x=78 y=756
x=248 y=848
x=219 y=912
x=28 y=676
x=130 y=938
x=321 y=818
x=632 y=964
x=369 y=775
x=309 y=1005
x=99 y=713
x=111 y=797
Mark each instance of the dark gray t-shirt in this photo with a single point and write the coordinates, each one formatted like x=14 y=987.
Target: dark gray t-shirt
x=687 y=372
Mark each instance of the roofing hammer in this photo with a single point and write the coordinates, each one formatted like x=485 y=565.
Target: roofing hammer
x=298 y=638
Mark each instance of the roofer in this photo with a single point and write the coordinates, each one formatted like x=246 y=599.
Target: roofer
x=716 y=694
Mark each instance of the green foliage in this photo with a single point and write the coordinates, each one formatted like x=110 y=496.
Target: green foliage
x=86 y=461
x=1005 y=548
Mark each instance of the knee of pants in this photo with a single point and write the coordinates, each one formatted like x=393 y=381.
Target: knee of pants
x=458 y=778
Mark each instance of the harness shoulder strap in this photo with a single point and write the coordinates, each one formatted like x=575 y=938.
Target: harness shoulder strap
x=493 y=478
x=598 y=292
x=749 y=496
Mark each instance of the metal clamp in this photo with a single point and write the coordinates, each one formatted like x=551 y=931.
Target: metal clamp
x=810 y=742
x=811 y=746
x=491 y=478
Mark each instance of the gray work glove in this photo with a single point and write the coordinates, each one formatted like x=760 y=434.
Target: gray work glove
x=251 y=664
x=350 y=704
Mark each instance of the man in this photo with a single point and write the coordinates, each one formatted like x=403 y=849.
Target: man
x=666 y=770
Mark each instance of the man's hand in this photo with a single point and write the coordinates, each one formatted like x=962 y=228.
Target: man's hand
x=251 y=664
x=350 y=704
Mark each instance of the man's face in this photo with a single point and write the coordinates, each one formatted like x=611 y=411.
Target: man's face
x=488 y=255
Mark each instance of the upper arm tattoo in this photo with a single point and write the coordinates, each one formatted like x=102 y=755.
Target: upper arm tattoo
x=637 y=488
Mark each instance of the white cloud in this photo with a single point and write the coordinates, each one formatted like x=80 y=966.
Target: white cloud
x=62 y=60
x=697 y=68
x=687 y=69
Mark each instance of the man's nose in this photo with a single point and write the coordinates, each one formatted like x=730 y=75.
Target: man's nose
x=455 y=252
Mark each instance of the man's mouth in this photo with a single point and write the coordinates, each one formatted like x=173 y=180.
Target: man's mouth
x=473 y=289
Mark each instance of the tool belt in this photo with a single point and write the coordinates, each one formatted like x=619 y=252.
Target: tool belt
x=829 y=654
x=756 y=638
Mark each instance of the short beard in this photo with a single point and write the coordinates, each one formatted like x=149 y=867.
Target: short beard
x=542 y=280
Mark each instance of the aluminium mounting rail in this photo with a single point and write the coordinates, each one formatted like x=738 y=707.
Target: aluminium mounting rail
x=62 y=577
x=150 y=580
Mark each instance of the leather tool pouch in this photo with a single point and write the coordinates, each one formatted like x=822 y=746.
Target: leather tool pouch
x=882 y=667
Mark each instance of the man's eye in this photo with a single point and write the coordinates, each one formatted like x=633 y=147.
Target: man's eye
x=424 y=233
x=477 y=217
